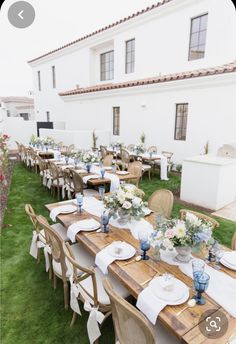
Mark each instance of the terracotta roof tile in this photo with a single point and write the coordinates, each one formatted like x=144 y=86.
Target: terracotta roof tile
x=145 y=10
x=227 y=68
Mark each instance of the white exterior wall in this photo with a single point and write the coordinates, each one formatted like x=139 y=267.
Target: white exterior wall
x=151 y=109
x=161 y=40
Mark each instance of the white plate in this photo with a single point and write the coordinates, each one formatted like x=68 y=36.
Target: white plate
x=229 y=266
x=66 y=209
x=127 y=252
x=147 y=211
x=108 y=168
x=80 y=171
x=173 y=297
x=94 y=226
x=122 y=172
x=230 y=258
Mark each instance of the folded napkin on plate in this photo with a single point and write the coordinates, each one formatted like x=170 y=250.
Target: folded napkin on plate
x=67 y=166
x=150 y=305
x=54 y=213
x=91 y=176
x=103 y=259
x=222 y=288
x=79 y=226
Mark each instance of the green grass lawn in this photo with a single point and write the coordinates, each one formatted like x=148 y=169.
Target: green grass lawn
x=32 y=312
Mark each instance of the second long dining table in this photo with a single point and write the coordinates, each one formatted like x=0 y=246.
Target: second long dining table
x=135 y=276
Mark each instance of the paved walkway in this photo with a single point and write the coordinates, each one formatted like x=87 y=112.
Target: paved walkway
x=228 y=212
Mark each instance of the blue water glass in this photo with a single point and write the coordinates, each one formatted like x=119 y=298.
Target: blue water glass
x=104 y=221
x=79 y=199
x=201 y=282
x=66 y=160
x=88 y=167
x=114 y=168
x=150 y=154
x=102 y=171
x=198 y=266
x=101 y=191
x=144 y=244
x=76 y=162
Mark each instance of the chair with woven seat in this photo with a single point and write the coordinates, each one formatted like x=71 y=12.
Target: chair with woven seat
x=60 y=268
x=68 y=187
x=161 y=202
x=125 y=158
x=108 y=160
x=169 y=156
x=183 y=212
x=103 y=151
x=56 y=180
x=71 y=148
x=43 y=170
x=131 y=326
x=135 y=168
x=79 y=186
x=152 y=149
x=233 y=243
x=90 y=285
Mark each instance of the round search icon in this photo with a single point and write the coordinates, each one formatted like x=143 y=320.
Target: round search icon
x=213 y=324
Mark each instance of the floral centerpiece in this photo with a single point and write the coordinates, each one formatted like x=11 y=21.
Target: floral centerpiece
x=127 y=203
x=48 y=141
x=140 y=148
x=116 y=144
x=88 y=158
x=33 y=140
x=190 y=234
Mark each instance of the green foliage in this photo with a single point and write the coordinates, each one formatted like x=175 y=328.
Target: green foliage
x=143 y=138
x=94 y=138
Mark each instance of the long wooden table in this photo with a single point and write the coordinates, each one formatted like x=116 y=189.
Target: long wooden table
x=134 y=275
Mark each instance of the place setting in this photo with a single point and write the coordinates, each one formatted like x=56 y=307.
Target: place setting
x=63 y=209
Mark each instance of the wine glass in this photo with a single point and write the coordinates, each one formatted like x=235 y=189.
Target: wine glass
x=102 y=171
x=198 y=266
x=66 y=159
x=104 y=221
x=88 y=167
x=201 y=282
x=114 y=168
x=79 y=199
x=76 y=162
x=101 y=191
x=218 y=254
x=144 y=243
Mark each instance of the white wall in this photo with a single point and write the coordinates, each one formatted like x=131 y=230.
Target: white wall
x=80 y=138
x=162 y=42
x=151 y=109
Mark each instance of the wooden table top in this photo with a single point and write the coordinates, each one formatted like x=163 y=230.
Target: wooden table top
x=134 y=275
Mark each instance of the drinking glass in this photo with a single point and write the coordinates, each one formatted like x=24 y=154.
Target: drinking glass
x=201 y=282
x=114 y=168
x=66 y=159
x=198 y=266
x=102 y=171
x=104 y=221
x=218 y=254
x=88 y=167
x=101 y=191
x=79 y=199
x=76 y=162
x=144 y=243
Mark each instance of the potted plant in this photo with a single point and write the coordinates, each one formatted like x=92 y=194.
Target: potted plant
x=94 y=141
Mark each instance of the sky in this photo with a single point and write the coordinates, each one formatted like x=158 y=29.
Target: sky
x=57 y=22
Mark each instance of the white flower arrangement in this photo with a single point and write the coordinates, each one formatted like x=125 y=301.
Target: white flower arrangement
x=192 y=232
x=128 y=199
x=89 y=157
x=48 y=141
x=116 y=144
x=140 y=148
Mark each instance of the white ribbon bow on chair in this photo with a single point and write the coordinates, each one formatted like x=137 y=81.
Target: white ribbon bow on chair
x=95 y=317
x=47 y=250
x=74 y=294
x=44 y=178
x=35 y=245
x=49 y=184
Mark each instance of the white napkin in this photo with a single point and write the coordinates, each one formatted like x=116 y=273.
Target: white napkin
x=168 y=256
x=115 y=181
x=66 y=166
x=150 y=305
x=103 y=259
x=230 y=258
x=222 y=288
x=93 y=206
x=134 y=226
x=91 y=176
x=80 y=225
x=56 y=211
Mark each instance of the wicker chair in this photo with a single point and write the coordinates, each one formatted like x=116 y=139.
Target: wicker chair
x=60 y=268
x=90 y=284
x=71 y=148
x=108 y=160
x=161 y=202
x=152 y=149
x=183 y=212
x=79 y=186
x=103 y=151
x=135 y=168
x=68 y=187
x=131 y=326
x=233 y=243
x=57 y=181
x=43 y=170
x=125 y=158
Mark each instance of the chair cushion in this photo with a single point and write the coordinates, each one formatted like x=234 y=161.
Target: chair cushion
x=145 y=167
x=102 y=295
x=61 y=230
x=82 y=256
x=163 y=336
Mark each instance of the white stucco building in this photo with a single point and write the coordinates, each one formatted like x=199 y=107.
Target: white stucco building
x=17 y=107
x=168 y=70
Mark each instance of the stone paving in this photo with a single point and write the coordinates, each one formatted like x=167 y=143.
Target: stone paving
x=228 y=212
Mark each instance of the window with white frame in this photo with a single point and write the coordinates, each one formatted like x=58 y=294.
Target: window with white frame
x=107 y=66
x=130 y=56
x=116 y=120
x=181 y=117
x=198 y=33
